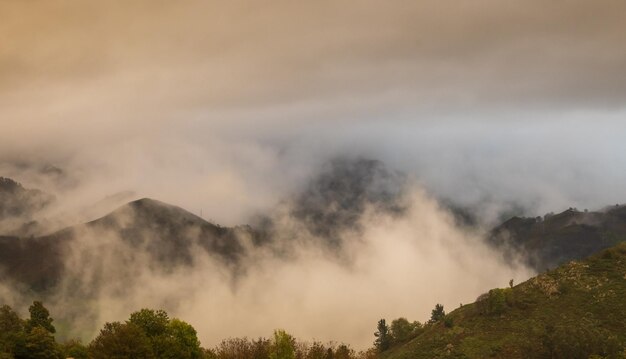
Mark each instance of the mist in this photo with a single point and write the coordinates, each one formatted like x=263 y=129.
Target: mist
x=380 y=263
x=233 y=111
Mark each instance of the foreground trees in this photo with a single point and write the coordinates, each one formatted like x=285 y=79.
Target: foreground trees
x=147 y=334
x=152 y=334
x=31 y=338
x=283 y=346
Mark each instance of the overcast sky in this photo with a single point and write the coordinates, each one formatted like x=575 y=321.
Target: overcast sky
x=226 y=106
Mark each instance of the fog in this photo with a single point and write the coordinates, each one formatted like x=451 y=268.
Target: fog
x=387 y=265
x=231 y=110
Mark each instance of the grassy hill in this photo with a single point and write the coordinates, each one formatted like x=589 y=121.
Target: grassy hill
x=574 y=311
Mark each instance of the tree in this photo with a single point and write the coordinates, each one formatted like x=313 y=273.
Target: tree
x=344 y=352
x=261 y=348
x=317 y=350
x=74 y=348
x=117 y=341
x=11 y=330
x=149 y=333
x=39 y=317
x=152 y=322
x=38 y=344
x=402 y=329
x=437 y=314
x=283 y=346
x=234 y=348
x=383 y=338
x=181 y=341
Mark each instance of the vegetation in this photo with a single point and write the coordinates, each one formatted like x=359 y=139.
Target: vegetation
x=383 y=338
x=151 y=334
x=574 y=311
x=31 y=338
x=402 y=330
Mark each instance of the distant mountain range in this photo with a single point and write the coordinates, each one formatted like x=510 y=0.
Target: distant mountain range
x=170 y=236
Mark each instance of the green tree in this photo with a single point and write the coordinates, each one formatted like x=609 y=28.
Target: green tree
x=11 y=330
x=383 y=338
x=152 y=322
x=180 y=341
x=437 y=314
x=37 y=344
x=118 y=341
x=39 y=317
x=283 y=346
x=402 y=329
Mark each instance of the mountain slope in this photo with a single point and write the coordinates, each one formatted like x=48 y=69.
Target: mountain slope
x=555 y=239
x=166 y=234
x=573 y=311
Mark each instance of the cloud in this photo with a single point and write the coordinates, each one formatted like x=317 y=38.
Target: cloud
x=152 y=96
x=394 y=265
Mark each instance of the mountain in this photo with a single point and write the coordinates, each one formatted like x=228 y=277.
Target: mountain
x=164 y=234
x=335 y=200
x=574 y=311
x=555 y=239
x=168 y=233
x=18 y=205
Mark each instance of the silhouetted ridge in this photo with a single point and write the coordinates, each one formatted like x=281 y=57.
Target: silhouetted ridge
x=167 y=234
x=548 y=241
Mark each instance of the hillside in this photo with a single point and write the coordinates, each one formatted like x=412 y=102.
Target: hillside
x=166 y=234
x=573 y=311
x=546 y=242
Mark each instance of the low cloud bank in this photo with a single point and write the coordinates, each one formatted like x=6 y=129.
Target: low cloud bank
x=390 y=254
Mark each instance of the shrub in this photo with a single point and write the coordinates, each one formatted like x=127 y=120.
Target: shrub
x=496 y=302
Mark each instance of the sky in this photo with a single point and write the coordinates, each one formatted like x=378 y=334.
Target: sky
x=233 y=103
x=228 y=108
